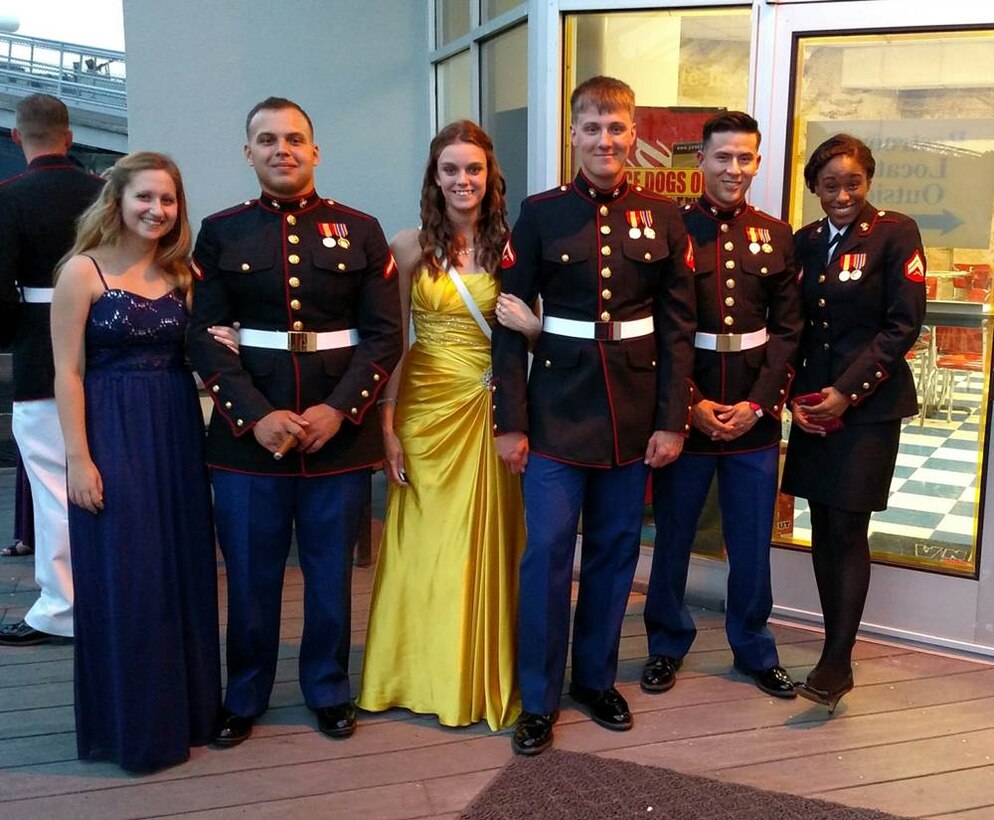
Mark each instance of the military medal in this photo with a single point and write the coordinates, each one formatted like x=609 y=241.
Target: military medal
x=334 y=233
x=851 y=267
x=641 y=224
x=759 y=239
x=859 y=262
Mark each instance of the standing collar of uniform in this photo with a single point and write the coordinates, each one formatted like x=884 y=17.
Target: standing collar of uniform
x=49 y=161
x=711 y=208
x=588 y=190
x=288 y=205
x=861 y=224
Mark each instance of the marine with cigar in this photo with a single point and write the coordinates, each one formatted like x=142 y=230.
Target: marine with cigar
x=293 y=432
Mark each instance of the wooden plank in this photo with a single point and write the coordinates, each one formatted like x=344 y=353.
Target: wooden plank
x=812 y=773
x=395 y=802
x=781 y=743
x=450 y=795
x=131 y=797
x=985 y=812
x=37 y=722
x=969 y=789
x=41 y=671
x=36 y=750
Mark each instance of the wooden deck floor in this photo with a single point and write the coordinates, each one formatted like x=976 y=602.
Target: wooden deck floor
x=915 y=738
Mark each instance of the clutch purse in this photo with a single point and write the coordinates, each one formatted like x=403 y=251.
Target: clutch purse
x=809 y=400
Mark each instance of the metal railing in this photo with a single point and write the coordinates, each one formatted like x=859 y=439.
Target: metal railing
x=78 y=75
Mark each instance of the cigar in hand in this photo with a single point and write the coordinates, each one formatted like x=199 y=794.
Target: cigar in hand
x=288 y=444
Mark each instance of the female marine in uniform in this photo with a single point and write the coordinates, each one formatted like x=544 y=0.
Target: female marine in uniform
x=863 y=283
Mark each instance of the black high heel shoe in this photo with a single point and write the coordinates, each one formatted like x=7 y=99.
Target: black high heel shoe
x=825 y=697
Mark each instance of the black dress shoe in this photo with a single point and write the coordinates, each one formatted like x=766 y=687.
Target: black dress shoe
x=532 y=733
x=232 y=729
x=826 y=697
x=773 y=680
x=337 y=721
x=659 y=673
x=21 y=634
x=607 y=707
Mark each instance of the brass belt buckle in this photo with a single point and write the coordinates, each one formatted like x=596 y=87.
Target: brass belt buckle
x=728 y=343
x=607 y=331
x=301 y=341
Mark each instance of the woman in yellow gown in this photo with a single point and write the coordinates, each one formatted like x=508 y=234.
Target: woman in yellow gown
x=443 y=619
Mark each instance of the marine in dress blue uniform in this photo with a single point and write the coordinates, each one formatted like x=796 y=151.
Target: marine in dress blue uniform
x=877 y=267
x=863 y=287
x=748 y=328
x=38 y=212
x=311 y=283
x=608 y=393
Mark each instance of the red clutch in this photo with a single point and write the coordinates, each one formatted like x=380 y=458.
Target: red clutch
x=809 y=400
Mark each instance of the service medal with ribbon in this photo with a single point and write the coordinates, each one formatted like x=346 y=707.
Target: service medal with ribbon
x=759 y=238
x=851 y=266
x=334 y=233
x=640 y=223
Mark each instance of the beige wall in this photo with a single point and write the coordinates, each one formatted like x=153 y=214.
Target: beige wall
x=359 y=68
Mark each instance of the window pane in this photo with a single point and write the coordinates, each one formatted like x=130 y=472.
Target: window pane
x=682 y=65
x=923 y=103
x=504 y=87
x=495 y=8
x=452 y=78
x=451 y=20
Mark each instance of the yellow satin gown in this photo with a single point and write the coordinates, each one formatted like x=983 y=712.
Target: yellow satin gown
x=443 y=618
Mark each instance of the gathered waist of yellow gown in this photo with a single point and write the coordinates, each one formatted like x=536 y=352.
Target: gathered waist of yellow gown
x=448 y=331
x=440 y=315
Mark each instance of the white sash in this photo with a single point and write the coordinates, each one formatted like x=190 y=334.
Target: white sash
x=474 y=309
x=469 y=301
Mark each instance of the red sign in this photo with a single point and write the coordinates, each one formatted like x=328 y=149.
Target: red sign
x=664 y=159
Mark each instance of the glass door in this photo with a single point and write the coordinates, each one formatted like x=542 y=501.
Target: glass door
x=922 y=98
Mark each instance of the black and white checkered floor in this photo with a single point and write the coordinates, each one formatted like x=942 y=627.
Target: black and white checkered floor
x=934 y=494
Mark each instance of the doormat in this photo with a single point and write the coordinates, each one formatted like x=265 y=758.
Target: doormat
x=559 y=785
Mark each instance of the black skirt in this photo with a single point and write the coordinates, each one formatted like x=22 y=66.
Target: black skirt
x=850 y=470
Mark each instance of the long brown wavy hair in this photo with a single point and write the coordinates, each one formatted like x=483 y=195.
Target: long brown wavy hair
x=101 y=223
x=437 y=236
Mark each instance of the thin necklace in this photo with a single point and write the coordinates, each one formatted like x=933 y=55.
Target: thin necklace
x=465 y=251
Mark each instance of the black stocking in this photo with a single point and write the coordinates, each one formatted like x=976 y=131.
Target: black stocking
x=840 y=552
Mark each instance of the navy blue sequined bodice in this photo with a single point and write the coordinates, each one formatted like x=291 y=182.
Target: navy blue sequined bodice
x=128 y=332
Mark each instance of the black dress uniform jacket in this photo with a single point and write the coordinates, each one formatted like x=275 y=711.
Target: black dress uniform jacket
x=274 y=264
x=38 y=212
x=746 y=280
x=860 y=326
x=596 y=403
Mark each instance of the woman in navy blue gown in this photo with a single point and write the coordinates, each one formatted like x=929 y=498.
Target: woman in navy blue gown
x=147 y=666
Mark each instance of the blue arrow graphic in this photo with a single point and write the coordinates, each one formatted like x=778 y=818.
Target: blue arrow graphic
x=944 y=222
